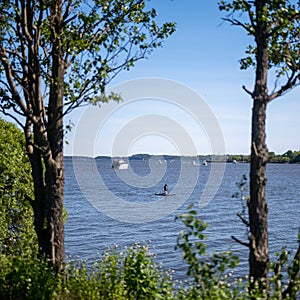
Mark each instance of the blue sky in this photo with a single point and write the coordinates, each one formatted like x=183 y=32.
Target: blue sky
x=203 y=55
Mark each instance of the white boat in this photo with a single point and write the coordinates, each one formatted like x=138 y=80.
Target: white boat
x=119 y=164
x=204 y=163
x=161 y=161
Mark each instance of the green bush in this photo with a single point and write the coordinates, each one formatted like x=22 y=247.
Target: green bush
x=16 y=215
x=27 y=277
x=131 y=274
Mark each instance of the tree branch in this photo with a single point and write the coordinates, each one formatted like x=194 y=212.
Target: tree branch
x=247 y=91
x=239 y=23
x=248 y=7
x=11 y=116
x=243 y=219
x=9 y=76
x=240 y=242
x=292 y=82
x=31 y=201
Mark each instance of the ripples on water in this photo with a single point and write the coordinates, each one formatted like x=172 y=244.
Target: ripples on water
x=88 y=231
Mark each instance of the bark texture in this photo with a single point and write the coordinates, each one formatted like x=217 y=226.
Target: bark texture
x=258 y=208
x=45 y=145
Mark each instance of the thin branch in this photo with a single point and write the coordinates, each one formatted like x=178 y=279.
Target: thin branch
x=13 y=88
x=11 y=116
x=240 y=242
x=243 y=219
x=238 y=23
x=30 y=200
x=71 y=107
x=67 y=10
x=294 y=80
x=247 y=91
x=247 y=5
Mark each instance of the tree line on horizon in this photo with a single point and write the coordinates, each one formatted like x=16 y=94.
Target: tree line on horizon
x=288 y=157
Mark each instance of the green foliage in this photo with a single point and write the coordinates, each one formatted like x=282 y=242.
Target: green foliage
x=289 y=156
x=238 y=158
x=131 y=274
x=142 y=278
x=16 y=216
x=209 y=272
x=99 y=39
x=281 y=19
x=120 y=33
x=27 y=276
x=292 y=156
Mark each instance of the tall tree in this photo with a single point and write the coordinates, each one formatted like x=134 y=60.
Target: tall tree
x=274 y=25
x=56 y=55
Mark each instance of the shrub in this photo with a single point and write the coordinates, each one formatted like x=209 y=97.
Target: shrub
x=131 y=274
x=27 y=277
x=209 y=272
x=16 y=215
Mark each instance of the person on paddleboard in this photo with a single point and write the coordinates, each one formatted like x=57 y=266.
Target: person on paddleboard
x=166 y=191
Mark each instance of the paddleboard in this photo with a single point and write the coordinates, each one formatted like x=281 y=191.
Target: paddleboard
x=163 y=194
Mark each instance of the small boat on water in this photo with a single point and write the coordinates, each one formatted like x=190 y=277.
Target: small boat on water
x=119 y=164
x=161 y=161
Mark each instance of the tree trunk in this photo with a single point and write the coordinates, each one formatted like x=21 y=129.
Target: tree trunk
x=45 y=148
x=54 y=195
x=258 y=209
x=48 y=177
x=55 y=161
x=257 y=206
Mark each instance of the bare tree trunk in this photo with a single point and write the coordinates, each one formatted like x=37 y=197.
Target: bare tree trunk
x=54 y=195
x=48 y=177
x=258 y=209
x=55 y=161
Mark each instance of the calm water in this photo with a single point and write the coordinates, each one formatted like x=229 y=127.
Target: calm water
x=90 y=231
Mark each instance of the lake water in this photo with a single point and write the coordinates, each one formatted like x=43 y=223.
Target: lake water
x=108 y=207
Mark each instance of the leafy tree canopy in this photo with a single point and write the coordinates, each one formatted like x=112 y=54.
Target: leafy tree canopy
x=98 y=39
x=280 y=21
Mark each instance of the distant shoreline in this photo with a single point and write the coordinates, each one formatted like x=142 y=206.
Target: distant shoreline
x=290 y=157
